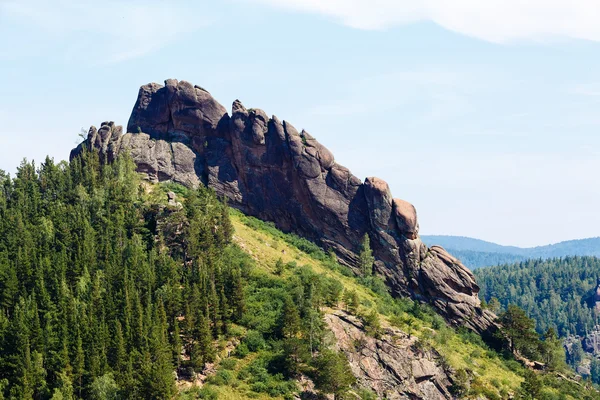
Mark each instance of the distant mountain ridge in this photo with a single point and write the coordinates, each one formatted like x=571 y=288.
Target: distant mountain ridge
x=476 y=253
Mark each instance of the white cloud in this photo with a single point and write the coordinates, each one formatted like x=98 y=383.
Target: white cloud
x=497 y=21
x=108 y=31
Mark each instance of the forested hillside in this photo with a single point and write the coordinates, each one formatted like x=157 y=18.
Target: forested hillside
x=110 y=289
x=91 y=302
x=475 y=253
x=555 y=292
x=467 y=243
x=478 y=259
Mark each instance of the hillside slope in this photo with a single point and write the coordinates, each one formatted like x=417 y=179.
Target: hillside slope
x=266 y=168
x=561 y=294
x=116 y=288
x=558 y=293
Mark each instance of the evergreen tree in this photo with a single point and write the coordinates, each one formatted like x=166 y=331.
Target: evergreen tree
x=333 y=374
x=366 y=258
x=531 y=387
x=290 y=319
x=520 y=331
x=351 y=301
x=552 y=351
x=279 y=266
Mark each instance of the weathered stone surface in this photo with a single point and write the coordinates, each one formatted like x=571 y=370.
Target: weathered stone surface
x=393 y=365
x=179 y=132
x=406 y=218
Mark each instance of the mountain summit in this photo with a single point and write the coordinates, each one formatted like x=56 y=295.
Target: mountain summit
x=266 y=168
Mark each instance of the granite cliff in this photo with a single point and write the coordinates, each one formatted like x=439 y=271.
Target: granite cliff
x=266 y=168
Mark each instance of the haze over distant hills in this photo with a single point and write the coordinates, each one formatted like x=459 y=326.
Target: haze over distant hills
x=476 y=253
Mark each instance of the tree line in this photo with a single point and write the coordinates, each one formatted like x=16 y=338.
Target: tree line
x=107 y=293
x=556 y=293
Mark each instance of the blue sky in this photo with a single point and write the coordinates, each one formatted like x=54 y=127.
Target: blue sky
x=485 y=115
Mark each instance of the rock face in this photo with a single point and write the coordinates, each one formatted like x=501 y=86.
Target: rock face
x=393 y=366
x=266 y=168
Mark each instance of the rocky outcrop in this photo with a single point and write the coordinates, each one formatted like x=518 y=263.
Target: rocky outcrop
x=267 y=168
x=591 y=341
x=392 y=365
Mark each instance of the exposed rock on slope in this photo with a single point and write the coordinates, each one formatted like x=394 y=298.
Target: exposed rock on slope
x=268 y=169
x=392 y=366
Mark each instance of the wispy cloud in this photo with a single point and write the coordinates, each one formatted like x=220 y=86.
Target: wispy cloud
x=107 y=32
x=497 y=21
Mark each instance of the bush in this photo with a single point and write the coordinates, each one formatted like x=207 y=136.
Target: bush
x=236 y=331
x=438 y=322
x=471 y=337
x=461 y=384
x=207 y=393
x=254 y=340
x=228 y=363
x=513 y=365
x=261 y=381
x=241 y=350
x=372 y=324
x=223 y=377
x=366 y=394
x=443 y=335
x=478 y=389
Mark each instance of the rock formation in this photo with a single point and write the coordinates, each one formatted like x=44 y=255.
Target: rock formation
x=266 y=168
x=393 y=365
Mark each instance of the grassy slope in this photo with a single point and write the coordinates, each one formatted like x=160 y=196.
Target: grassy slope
x=460 y=353
x=491 y=375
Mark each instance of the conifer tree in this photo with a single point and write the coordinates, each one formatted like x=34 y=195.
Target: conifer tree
x=366 y=258
x=290 y=319
x=333 y=374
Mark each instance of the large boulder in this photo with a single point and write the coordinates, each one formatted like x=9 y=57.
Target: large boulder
x=266 y=168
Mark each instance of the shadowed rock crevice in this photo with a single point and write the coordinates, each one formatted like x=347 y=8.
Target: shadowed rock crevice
x=266 y=168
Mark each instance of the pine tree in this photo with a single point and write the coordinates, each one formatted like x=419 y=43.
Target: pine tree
x=366 y=258
x=494 y=305
x=176 y=343
x=202 y=349
x=552 y=351
x=290 y=319
x=79 y=366
x=351 y=301
x=238 y=303
x=531 y=387
x=519 y=330
x=279 y=266
x=333 y=373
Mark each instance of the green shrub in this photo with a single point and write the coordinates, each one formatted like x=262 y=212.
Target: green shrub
x=254 y=340
x=207 y=393
x=513 y=365
x=366 y=394
x=228 y=363
x=223 y=377
x=443 y=335
x=241 y=350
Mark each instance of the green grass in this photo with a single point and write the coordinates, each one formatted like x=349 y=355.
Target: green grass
x=493 y=375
